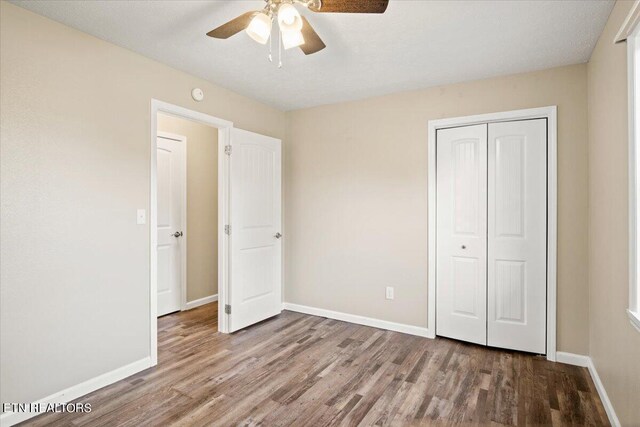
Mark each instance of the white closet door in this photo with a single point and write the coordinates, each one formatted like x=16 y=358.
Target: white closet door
x=462 y=233
x=517 y=235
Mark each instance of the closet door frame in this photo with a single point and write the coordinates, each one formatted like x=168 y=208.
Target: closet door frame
x=549 y=113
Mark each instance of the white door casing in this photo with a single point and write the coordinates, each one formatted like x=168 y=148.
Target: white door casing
x=462 y=230
x=170 y=184
x=517 y=235
x=255 y=284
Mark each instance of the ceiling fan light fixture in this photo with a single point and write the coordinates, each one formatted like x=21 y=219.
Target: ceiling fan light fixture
x=294 y=29
x=288 y=18
x=292 y=39
x=259 y=28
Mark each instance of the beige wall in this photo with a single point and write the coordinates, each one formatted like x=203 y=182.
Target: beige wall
x=202 y=203
x=356 y=205
x=75 y=138
x=75 y=167
x=614 y=344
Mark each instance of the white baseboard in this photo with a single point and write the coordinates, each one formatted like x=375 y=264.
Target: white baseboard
x=572 y=359
x=361 y=320
x=611 y=413
x=74 y=392
x=201 y=301
x=586 y=362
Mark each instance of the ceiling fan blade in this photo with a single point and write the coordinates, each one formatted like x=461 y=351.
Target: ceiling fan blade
x=312 y=41
x=352 y=6
x=232 y=27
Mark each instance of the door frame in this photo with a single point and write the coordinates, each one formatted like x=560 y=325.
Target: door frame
x=183 y=213
x=224 y=139
x=549 y=113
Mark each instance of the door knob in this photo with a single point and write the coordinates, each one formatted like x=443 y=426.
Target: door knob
x=278 y=235
x=177 y=234
x=464 y=247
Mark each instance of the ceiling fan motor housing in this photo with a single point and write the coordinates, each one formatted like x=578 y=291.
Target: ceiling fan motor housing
x=273 y=5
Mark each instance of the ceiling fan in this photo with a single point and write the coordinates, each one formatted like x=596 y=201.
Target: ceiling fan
x=295 y=30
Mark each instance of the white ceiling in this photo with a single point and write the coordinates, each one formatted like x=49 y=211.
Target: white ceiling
x=415 y=44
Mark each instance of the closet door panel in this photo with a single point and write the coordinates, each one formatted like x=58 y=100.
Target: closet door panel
x=461 y=233
x=517 y=235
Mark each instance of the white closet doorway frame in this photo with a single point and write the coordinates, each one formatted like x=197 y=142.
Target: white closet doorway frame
x=549 y=113
x=224 y=139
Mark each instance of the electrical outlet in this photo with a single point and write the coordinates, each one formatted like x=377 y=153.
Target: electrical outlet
x=389 y=292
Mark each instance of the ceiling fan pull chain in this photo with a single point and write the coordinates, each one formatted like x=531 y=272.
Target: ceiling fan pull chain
x=279 y=48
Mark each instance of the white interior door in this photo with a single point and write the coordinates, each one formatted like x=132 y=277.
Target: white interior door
x=517 y=235
x=171 y=182
x=461 y=233
x=255 y=284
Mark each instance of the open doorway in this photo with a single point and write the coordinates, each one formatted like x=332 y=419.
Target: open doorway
x=248 y=227
x=162 y=116
x=187 y=214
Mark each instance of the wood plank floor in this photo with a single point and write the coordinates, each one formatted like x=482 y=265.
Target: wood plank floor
x=302 y=370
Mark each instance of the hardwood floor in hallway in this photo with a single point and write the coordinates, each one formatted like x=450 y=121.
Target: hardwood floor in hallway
x=301 y=370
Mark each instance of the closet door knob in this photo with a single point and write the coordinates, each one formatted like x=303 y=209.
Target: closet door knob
x=464 y=247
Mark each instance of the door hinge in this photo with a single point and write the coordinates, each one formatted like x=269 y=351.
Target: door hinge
x=227 y=150
x=227 y=229
x=227 y=309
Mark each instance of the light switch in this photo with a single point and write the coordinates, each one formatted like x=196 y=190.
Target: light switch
x=389 y=292
x=142 y=216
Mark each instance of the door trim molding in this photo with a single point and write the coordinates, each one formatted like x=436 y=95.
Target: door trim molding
x=224 y=128
x=549 y=113
x=183 y=214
